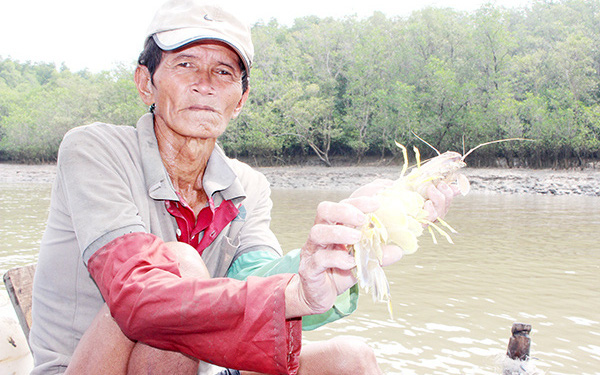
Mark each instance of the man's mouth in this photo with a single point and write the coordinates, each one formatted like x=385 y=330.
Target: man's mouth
x=202 y=108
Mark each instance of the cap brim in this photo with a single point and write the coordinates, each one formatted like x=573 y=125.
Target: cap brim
x=173 y=39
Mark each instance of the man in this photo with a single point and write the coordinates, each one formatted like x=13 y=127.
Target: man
x=133 y=209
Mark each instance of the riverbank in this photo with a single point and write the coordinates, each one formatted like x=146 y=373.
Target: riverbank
x=483 y=180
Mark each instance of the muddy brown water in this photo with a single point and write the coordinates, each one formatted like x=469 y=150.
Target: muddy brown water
x=526 y=258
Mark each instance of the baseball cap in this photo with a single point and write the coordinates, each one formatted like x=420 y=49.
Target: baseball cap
x=179 y=22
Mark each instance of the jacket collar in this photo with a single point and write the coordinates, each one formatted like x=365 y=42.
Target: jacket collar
x=218 y=177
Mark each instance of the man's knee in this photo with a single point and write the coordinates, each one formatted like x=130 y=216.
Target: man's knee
x=360 y=357
x=190 y=262
x=103 y=348
x=340 y=355
x=148 y=360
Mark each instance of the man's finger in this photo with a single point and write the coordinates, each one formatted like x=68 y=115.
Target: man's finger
x=391 y=254
x=438 y=200
x=364 y=204
x=326 y=259
x=326 y=234
x=342 y=213
x=431 y=211
x=372 y=188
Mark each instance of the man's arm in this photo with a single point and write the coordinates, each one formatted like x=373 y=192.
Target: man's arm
x=266 y=263
x=140 y=281
x=259 y=253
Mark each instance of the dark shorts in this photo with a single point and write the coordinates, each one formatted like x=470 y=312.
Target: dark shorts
x=229 y=372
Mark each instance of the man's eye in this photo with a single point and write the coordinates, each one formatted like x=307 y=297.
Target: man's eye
x=223 y=72
x=185 y=64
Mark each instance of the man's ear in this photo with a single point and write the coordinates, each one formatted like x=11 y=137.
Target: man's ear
x=241 y=103
x=143 y=82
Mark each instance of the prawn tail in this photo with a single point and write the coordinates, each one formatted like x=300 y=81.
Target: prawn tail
x=381 y=287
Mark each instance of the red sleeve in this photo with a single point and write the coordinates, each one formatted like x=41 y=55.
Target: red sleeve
x=224 y=321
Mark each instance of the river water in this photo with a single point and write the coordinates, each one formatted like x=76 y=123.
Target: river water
x=517 y=258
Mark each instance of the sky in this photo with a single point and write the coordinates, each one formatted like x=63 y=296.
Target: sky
x=99 y=35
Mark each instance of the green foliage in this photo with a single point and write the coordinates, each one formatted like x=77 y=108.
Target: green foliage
x=351 y=87
x=39 y=104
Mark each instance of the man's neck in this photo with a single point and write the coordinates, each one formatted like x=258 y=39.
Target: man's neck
x=185 y=160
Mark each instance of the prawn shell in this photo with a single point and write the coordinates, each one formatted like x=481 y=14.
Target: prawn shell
x=400 y=200
x=399 y=212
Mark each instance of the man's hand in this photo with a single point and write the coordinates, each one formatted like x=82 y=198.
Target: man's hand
x=325 y=264
x=439 y=201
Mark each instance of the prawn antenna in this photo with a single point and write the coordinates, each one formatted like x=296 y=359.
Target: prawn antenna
x=491 y=142
x=427 y=143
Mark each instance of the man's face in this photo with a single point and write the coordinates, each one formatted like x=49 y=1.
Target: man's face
x=198 y=90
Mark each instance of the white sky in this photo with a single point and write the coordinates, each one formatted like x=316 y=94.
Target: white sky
x=96 y=35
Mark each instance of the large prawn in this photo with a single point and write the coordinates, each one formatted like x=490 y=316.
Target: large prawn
x=401 y=218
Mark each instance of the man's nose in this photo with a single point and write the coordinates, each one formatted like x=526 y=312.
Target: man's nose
x=203 y=83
